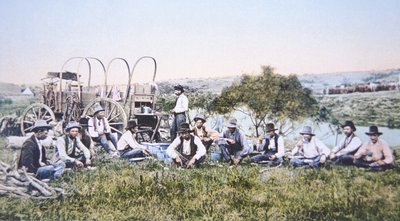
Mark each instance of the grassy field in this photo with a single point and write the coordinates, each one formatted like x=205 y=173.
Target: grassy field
x=118 y=190
x=381 y=108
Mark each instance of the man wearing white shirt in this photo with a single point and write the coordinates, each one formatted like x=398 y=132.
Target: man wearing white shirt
x=186 y=150
x=344 y=152
x=274 y=148
x=127 y=145
x=100 y=130
x=179 y=111
x=309 y=151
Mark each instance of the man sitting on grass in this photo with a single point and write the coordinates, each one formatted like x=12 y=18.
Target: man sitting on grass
x=344 y=152
x=274 y=148
x=127 y=145
x=233 y=144
x=33 y=154
x=71 y=150
x=186 y=150
x=309 y=150
x=375 y=154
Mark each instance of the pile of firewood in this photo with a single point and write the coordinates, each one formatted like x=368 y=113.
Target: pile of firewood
x=17 y=182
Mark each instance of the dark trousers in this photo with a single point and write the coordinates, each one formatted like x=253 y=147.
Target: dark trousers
x=347 y=159
x=264 y=159
x=178 y=119
x=131 y=153
x=72 y=165
x=370 y=164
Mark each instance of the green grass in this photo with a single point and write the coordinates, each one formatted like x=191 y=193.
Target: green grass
x=381 y=108
x=118 y=190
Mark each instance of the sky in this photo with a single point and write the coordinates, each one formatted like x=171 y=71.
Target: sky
x=196 y=39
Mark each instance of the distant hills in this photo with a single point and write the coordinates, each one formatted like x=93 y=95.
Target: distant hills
x=316 y=82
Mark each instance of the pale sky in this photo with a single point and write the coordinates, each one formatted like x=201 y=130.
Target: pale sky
x=204 y=38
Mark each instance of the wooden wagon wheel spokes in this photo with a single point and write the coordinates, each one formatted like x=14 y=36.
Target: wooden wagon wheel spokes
x=34 y=113
x=114 y=113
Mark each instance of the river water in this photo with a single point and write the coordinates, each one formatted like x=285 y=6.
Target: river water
x=324 y=131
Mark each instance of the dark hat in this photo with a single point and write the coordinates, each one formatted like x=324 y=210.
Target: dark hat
x=97 y=109
x=40 y=124
x=307 y=130
x=373 y=130
x=232 y=123
x=199 y=117
x=84 y=122
x=349 y=123
x=72 y=124
x=270 y=127
x=131 y=124
x=178 y=87
x=184 y=127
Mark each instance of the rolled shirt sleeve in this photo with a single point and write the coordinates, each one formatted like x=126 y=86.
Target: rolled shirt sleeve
x=171 y=148
x=387 y=154
x=322 y=148
x=281 y=148
x=201 y=149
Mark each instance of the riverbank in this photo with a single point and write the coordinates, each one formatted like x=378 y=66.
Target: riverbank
x=365 y=109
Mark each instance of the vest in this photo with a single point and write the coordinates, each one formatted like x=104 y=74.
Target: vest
x=266 y=147
x=193 y=146
x=203 y=128
x=73 y=155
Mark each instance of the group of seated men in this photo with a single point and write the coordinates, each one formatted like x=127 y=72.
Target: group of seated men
x=187 y=150
x=75 y=148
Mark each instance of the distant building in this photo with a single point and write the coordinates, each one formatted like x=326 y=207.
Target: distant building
x=27 y=91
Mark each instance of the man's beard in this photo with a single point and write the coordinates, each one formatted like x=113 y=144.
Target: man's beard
x=348 y=134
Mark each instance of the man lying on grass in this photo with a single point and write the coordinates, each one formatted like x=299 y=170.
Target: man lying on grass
x=186 y=150
x=375 y=154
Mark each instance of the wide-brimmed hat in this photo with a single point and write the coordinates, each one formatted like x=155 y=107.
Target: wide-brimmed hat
x=373 y=130
x=40 y=124
x=307 y=131
x=179 y=87
x=97 y=109
x=349 y=123
x=72 y=124
x=131 y=124
x=270 y=127
x=184 y=127
x=199 y=117
x=232 y=123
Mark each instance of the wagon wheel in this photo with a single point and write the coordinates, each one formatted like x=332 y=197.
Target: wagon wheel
x=33 y=113
x=114 y=113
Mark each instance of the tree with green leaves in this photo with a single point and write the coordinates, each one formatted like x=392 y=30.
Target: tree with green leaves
x=268 y=97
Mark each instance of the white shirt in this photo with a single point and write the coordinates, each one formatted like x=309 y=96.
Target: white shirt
x=128 y=139
x=201 y=149
x=182 y=104
x=100 y=127
x=311 y=149
x=347 y=145
x=40 y=152
x=281 y=146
